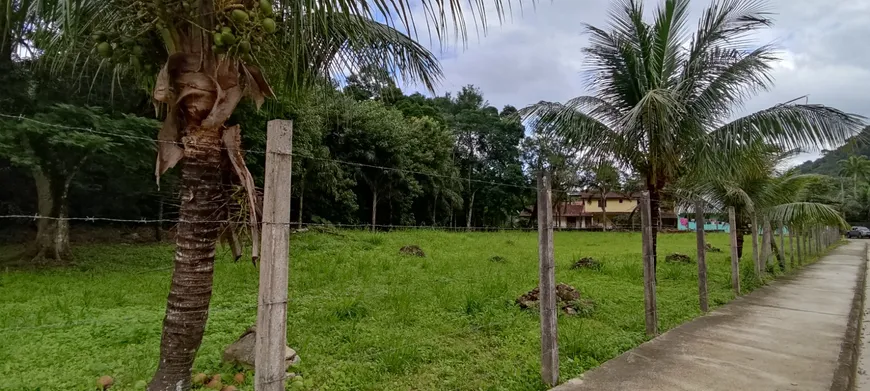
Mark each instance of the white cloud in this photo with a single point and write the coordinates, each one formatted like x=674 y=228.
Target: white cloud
x=538 y=56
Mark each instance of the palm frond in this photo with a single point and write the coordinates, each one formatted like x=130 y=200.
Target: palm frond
x=341 y=43
x=792 y=126
x=806 y=214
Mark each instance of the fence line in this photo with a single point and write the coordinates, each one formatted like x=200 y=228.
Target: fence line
x=262 y=152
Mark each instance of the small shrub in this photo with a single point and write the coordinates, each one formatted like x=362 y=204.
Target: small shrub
x=580 y=307
x=472 y=306
x=351 y=309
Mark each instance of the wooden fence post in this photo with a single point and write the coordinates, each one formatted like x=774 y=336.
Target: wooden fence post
x=801 y=245
x=649 y=271
x=819 y=243
x=547 y=283
x=755 y=257
x=781 y=247
x=702 y=255
x=271 y=337
x=735 y=260
x=791 y=233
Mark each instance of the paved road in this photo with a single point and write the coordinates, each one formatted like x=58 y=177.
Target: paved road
x=864 y=360
x=786 y=336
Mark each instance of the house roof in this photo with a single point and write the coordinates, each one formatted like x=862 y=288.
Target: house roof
x=609 y=195
x=570 y=210
x=564 y=210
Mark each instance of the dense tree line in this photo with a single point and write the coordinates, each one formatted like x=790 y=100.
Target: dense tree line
x=363 y=153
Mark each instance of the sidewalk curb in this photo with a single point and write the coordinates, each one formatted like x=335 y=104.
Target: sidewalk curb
x=847 y=364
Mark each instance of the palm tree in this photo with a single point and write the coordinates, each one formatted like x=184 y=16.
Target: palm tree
x=663 y=94
x=755 y=187
x=855 y=167
x=211 y=54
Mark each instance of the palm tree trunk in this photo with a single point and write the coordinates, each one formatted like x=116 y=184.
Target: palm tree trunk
x=197 y=233
x=791 y=233
x=655 y=213
x=741 y=232
x=800 y=252
x=755 y=256
x=766 y=245
x=781 y=253
x=604 y=211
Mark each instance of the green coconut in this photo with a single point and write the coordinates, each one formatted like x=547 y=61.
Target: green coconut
x=244 y=47
x=228 y=38
x=105 y=49
x=239 y=16
x=266 y=7
x=269 y=25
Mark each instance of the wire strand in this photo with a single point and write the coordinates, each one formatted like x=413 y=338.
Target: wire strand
x=291 y=223
x=261 y=152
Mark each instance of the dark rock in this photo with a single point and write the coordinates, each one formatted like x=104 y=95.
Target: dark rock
x=567 y=298
x=678 y=258
x=586 y=263
x=412 y=250
x=241 y=352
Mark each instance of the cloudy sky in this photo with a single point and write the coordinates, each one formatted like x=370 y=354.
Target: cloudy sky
x=825 y=54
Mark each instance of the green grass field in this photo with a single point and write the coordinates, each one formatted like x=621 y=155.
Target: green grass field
x=362 y=317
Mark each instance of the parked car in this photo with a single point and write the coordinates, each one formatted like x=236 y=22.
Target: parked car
x=858 y=232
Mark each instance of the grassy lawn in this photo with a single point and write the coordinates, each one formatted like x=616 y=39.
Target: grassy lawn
x=362 y=317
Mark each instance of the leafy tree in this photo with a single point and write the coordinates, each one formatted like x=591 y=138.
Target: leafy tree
x=487 y=151
x=55 y=154
x=855 y=167
x=663 y=96
x=372 y=83
x=376 y=139
x=547 y=150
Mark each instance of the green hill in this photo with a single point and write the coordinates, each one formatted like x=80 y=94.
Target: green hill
x=827 y=164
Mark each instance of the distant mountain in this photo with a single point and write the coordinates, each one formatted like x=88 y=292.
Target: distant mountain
x=827 y=164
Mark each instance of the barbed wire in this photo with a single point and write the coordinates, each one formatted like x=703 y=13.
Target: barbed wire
x=262 y=152
x=291 y=223
x=135 y=319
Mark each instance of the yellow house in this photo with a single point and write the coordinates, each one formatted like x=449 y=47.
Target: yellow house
x=588 y=210
x=600 y=212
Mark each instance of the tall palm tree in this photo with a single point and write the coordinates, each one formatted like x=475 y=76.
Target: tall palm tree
x=855 y=167
x=663 y=95
x=210 y=54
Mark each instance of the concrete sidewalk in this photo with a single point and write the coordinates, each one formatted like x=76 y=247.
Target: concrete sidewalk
x=798 y=333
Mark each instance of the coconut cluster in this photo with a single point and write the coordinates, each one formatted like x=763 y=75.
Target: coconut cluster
x=240 y=28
